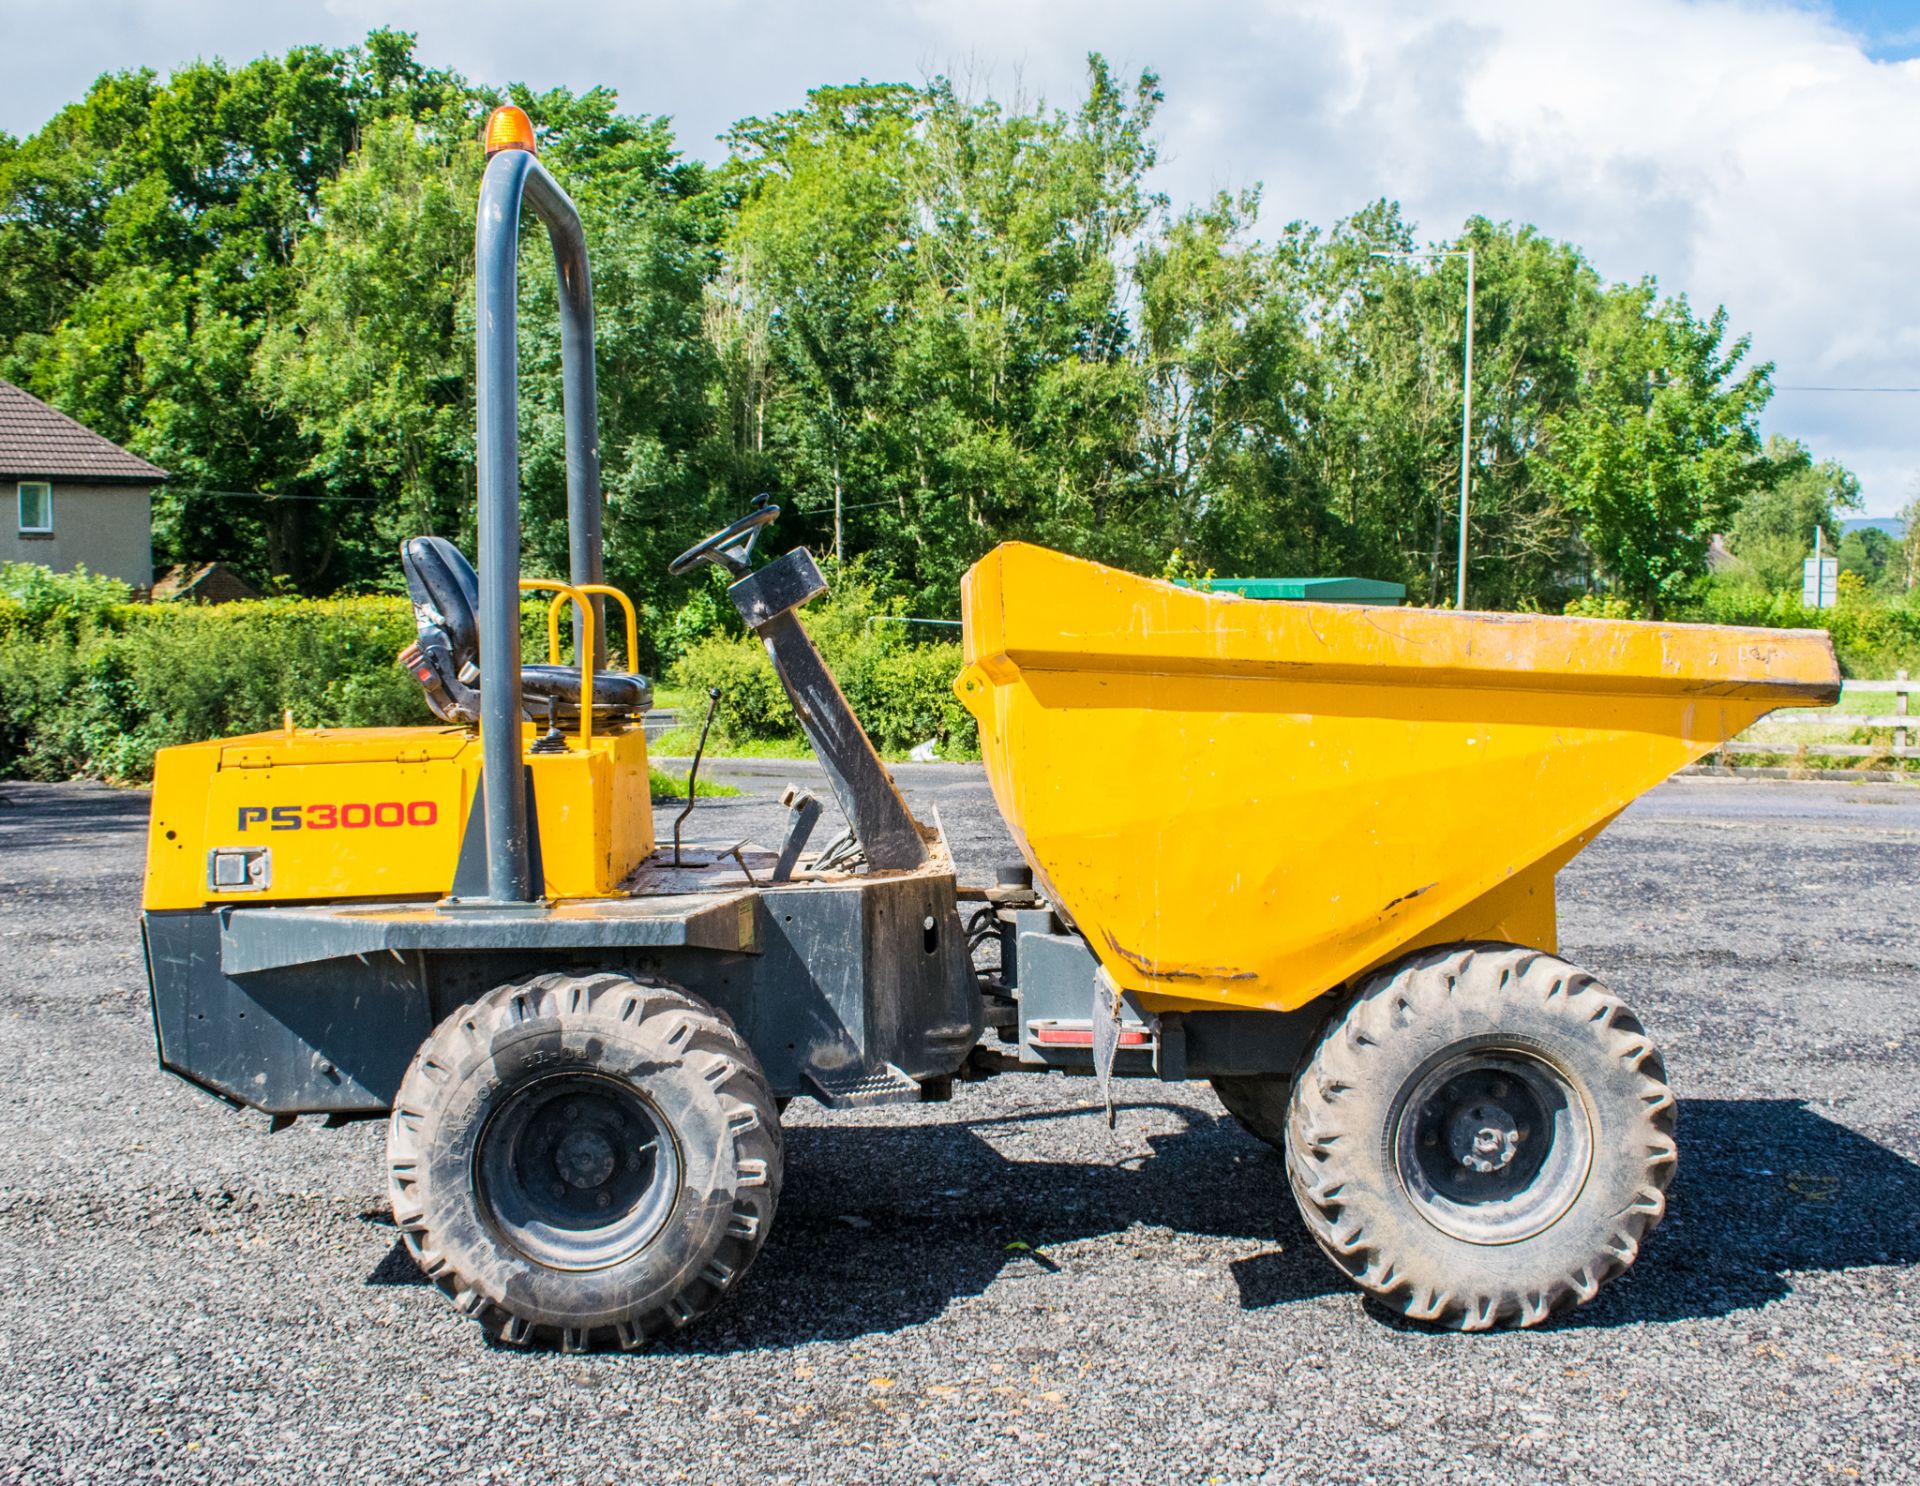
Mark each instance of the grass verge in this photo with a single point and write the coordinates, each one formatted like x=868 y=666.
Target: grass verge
x=667 y=786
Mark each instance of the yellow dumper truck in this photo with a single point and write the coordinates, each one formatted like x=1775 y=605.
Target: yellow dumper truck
x=1304 y=851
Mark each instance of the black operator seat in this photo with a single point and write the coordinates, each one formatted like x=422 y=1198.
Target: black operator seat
x=446 y=656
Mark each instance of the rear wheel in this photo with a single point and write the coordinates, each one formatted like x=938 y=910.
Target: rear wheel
x=584 y=1160
x=1485 y=1137
x=1258 y=1103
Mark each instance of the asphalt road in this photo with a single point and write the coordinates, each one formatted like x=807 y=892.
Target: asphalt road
x=996 y=1290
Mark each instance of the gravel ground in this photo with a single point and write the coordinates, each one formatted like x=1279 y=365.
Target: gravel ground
x=996 y=1290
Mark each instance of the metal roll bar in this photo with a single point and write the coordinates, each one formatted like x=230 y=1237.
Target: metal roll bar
x=512 y=177
x=606 y=590
x=583 y=612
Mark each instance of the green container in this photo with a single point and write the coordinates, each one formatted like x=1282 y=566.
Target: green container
x=1321 y=590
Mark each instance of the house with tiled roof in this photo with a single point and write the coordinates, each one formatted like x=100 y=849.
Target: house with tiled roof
x=69 y=496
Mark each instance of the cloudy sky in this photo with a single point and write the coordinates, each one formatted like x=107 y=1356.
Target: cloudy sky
x=1761 y=154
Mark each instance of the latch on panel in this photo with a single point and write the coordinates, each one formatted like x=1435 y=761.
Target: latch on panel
x=239 y=869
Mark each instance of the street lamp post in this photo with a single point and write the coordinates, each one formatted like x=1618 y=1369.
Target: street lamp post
x=1466 y=410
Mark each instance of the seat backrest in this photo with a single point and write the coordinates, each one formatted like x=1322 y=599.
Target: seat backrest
x=446 y=596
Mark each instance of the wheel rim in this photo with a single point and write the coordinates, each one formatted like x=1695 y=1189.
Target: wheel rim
x=1493 y=1144
x=577 y=1171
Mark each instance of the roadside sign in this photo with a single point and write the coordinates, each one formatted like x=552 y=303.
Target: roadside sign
x=1819 y=580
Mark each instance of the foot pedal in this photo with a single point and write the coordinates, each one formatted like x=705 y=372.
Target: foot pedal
x=856 y=1087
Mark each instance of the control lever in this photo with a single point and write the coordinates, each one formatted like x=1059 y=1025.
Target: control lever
x=693 y=771
x=803 y=811
x=553 y=740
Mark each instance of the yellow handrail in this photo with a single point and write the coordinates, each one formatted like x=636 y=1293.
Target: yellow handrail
x=568 y=591
x=633 y=622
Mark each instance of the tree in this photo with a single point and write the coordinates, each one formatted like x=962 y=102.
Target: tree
x=1661 y=448
x=374 y=358
x=1875 y=558
x=653 y=222
x=1213 y=372
x=161 y=223
x=927 y=321
x=1384 y=434
x=924 y=295
x=369 y=361
x=1910 y=545
x=1789 y=499
x=813 y=254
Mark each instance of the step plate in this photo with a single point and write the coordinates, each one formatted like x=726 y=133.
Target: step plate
x=856 y=1087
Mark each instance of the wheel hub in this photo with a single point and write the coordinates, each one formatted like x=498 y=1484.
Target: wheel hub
x=577 y=1171
x=584 y=1158
x=1492 y=1144
x=1483 y=1136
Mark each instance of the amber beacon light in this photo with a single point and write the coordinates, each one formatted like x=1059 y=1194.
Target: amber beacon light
x=508 y=128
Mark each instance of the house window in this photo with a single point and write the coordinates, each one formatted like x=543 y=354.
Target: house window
x=36 y=506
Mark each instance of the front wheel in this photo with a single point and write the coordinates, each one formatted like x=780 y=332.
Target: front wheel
x=584 y=1160
x=1485 y=1137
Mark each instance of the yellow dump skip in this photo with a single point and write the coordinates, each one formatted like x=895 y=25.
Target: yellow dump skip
x=1246 y=803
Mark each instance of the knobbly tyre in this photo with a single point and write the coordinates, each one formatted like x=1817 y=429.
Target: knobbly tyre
x=1304 y=851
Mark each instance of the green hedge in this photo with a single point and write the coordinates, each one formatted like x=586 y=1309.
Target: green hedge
x=903 y=693
x=96 y=696
x=1872 y=637
x=92 y=685
x=901 y=686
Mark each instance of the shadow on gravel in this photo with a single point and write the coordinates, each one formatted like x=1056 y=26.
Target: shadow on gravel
x=396 y=1266
x=40 y=812
x=1766 y=1188
x=882 y=1228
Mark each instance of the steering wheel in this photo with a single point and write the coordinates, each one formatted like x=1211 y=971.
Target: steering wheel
x=717 y=548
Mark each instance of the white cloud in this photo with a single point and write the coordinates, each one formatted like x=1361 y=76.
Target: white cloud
x=1750 y=154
